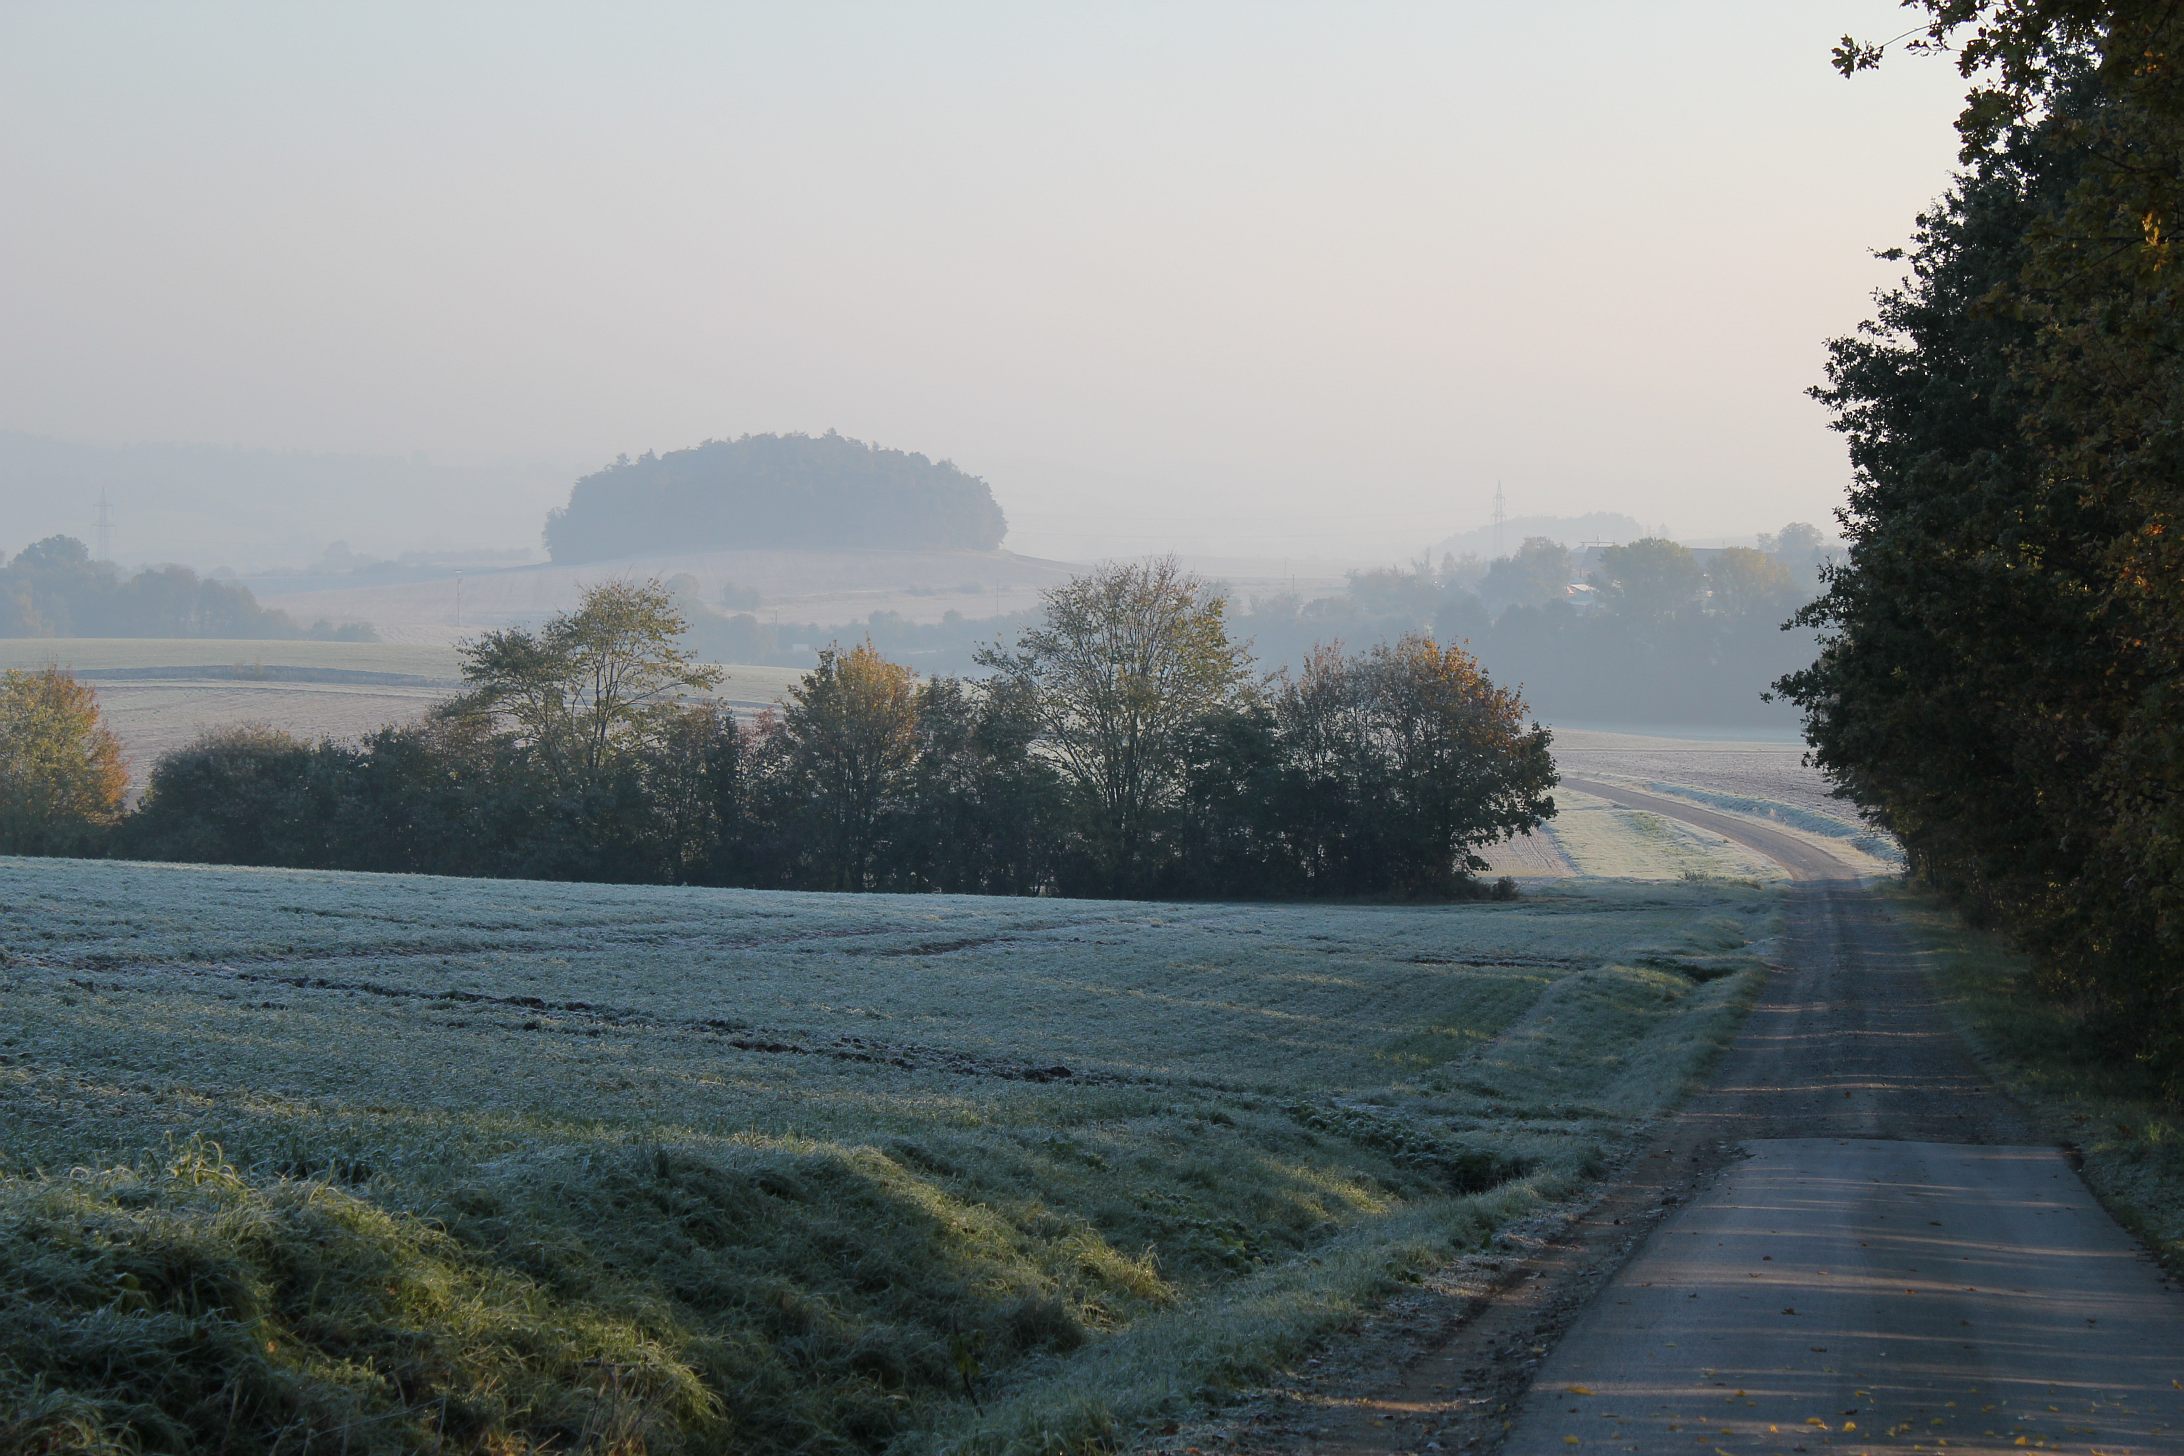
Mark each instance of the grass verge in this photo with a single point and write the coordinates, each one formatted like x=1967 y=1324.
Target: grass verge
x=2104 y=1107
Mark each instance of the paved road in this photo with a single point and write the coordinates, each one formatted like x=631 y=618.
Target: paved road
x=1895 y=1265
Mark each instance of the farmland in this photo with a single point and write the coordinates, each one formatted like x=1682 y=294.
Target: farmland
x=1765 y=770
x=159 y=693
x=687 y=1169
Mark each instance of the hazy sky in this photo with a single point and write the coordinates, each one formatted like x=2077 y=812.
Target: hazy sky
x=1269 y=279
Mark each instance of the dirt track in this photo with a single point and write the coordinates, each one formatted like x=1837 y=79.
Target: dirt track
x=1848 y=1241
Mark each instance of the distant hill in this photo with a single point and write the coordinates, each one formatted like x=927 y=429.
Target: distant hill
x=775 y=492
x=220 y=505
x=1609 y=526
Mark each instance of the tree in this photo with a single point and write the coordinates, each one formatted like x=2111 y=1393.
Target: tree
x=1540 y=572
x=250 y=795
x=591 y=686
x=980 y=814
x=845 y=743
x=1649 y=581
x=54 y=589
x=61 y=777
x=1330 y=773
x=1742 y=583
x=1462 y=760
x=1998 y=679
x=1397 y=764
x=1126 y=659
x=799 y=491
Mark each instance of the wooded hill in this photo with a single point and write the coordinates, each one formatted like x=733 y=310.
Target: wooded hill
x=785 y=491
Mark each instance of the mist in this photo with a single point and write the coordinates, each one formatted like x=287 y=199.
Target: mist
x=1167 y=279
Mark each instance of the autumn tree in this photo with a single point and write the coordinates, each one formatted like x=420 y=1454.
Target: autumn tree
x=1400 y=763
x=844 y=744
x=61 y=777
x=1127 y=658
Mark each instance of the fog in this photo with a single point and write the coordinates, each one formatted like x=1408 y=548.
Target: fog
x=1264 y=280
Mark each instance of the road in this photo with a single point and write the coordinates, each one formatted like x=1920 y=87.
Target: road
x=1892 y=1263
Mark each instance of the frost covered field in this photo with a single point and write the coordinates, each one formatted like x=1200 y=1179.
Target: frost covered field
x=1764 y=778
x=159 y=693
x=393 y=1163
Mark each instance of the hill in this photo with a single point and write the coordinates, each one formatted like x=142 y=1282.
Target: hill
x=395 y=1164
x=1593 y=526
x=774 y=491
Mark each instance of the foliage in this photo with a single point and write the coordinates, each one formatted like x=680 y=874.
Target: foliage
x=251 y=795
x=1539 y=572
x=1400 y=763
x=1661 y=634
x=1121 y=749
x=774 y=491
x=61 y=777
x=1999 y=681
x=1650 y=581
x=591 y=687
x=982 y=810
x=1128 y=658
x=841 y=754
x=54 y=589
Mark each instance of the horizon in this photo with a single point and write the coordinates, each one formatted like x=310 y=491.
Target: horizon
x=1260 y=256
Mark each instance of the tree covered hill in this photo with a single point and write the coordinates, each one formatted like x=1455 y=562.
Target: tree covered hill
x=778 y=491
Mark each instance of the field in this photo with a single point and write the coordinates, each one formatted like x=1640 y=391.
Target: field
x=1765 y=778
x=160 y=693
x=299 y=1160
x=1769 y=770
x=795 y=586
x=92 y=655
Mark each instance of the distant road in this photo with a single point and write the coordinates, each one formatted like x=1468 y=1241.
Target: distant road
x=1894 y=1264
x=1800 y=856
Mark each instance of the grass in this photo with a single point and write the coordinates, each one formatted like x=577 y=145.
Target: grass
x=296 y=1160
x=2132 y=1143
x=1604 y=839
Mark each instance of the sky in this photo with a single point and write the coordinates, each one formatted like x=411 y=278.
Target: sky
x=1261 y=280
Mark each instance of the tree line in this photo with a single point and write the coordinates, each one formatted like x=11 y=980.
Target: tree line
x=54 y=589
x=2001 y=676
x=1655 y=632
x=1122 y=745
